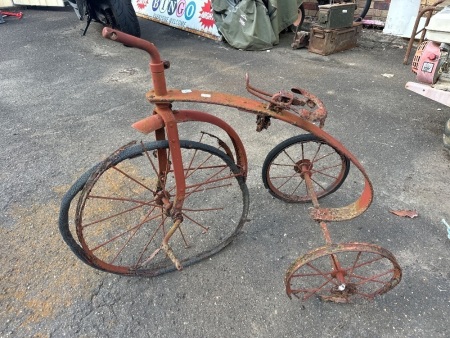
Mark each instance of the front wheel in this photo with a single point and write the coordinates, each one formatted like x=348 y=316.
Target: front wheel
x=118 y=14
x=123 y=211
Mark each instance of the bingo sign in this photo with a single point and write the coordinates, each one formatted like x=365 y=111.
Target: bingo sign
x=195 y=16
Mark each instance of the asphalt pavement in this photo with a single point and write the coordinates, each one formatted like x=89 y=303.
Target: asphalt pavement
x=67 y=101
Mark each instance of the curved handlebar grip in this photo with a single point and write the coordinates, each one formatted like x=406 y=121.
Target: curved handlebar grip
x=132 y=41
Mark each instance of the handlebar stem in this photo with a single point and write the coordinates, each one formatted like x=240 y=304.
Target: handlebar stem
x=156 y=65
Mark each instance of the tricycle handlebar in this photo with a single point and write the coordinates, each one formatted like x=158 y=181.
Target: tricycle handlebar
x=132 y=41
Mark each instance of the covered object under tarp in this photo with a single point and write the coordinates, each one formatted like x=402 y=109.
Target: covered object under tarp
x=254 y=24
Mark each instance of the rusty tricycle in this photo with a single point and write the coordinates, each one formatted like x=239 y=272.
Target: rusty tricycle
x=155 y=207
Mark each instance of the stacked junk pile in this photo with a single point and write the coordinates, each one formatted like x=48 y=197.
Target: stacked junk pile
x=256 y=24
x=334 y=31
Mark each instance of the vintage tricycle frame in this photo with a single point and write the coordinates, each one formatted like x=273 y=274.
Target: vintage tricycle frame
x=298 y=108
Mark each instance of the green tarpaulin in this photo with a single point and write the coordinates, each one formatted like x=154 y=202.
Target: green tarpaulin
x=254 y=24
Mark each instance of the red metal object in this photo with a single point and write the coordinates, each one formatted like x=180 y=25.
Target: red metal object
x=155 y=122
x=16 y=14
x=297 y=107
x=341 y=272
x=256 y=107
x=279 y=107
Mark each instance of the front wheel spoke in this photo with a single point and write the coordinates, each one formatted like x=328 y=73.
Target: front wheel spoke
x=186 y=244
x=120 y=199
x=205 y=209
x=123 y=233
x=133 y=179
x=125 y=244
x=206 y=181
x=209 y=180
x=146 y=219
x=155 y=171
x=115 y=215
x=200 y=187
x=152 y=237
x=204 y=227
x=192 y=171
x=189 y=193
x=186 y=170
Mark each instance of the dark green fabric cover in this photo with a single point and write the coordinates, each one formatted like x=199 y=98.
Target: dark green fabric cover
x=250 y=25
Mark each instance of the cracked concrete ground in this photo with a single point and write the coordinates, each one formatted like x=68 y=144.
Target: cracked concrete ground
x=68 y=101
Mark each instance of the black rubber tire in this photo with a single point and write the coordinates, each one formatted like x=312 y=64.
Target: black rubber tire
x=132 y=152
x=120 y=15
x=281 y=149
x=302 y=10
x=293 y=28
x=364 y=11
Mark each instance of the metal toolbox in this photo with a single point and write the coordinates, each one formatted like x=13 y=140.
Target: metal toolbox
x=336 y=16
x=328 y=41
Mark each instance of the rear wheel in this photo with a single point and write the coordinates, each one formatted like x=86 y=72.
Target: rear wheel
x=342 y=272
x=286 y=165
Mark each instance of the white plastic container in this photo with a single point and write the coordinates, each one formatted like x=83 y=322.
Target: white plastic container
x=439 y=28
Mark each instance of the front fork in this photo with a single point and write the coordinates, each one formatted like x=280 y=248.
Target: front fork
x=167 y=163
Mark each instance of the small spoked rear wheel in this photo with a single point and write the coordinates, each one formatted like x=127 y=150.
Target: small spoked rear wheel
x=342 y=272
x=286 y=165
x=123 y=212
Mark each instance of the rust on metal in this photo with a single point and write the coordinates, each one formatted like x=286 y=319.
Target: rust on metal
x=334 y=272
x=330 y=288
x=155 y=123
x=221 y=144
x=259 y=108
